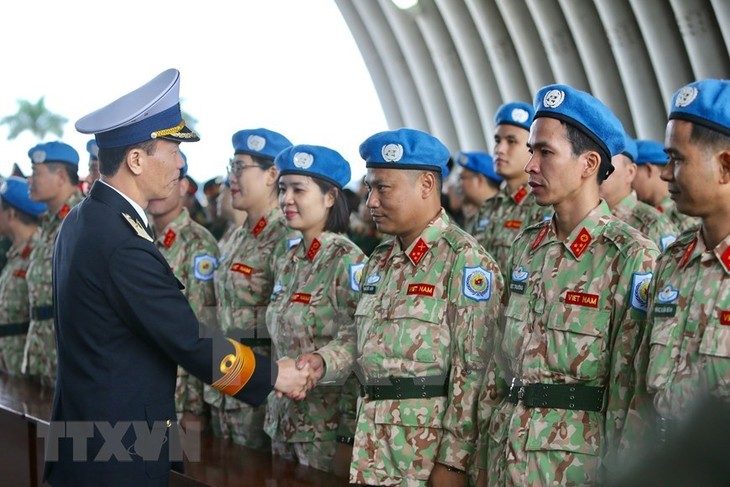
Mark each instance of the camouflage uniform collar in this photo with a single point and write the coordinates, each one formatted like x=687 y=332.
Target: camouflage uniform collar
x=629 y=202
x=172 y=230
x=264 y=224
x=314 y=250
x=421 y=245
x=519 y=196
x=698 y=249
x=51 y=220
x=666 y=205
x=582 y=235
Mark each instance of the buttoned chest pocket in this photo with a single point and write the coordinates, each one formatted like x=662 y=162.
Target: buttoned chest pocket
x=662 y=350
x=715 y=350
x=575 y=341
x=419 y=329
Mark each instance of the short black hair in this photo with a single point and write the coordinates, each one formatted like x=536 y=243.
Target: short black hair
x=110 y=159
x=70 y=169
x=580 y=143
x=25 y=218
x=708 y=138
x=338 y=219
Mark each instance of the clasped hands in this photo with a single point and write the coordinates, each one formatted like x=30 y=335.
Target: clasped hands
x=296 y=378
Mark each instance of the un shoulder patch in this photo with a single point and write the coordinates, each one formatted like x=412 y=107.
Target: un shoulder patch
x=640 y=291
x=477 y=283
x=204 y=267
x=356 y=276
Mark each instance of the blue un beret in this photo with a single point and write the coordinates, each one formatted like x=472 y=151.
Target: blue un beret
x=479 y=162
x=519 y=114
x=53 y=152
x=630 y=149
x=260 y=143
x=405 y=149
x=316 y=161
x=584 y=112
x=648 y=151
x=149 y=112
x=93 y=149
x=14 y=191
x=705 y=102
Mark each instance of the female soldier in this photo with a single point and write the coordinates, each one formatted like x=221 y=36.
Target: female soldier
x=244 y=278
x=314 y=300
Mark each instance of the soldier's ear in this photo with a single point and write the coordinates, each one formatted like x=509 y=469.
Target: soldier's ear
x=133 y=160
x=723 y=159
x=591 y=161
x=428 y=184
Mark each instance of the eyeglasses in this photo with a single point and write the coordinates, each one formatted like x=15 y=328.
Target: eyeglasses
x=235 y=168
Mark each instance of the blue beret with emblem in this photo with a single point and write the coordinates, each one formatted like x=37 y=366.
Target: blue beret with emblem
x=479 y=162
x=650 y=152
x=405 y=148
x=518 y=113
x=93 y=149
x=586 y=113
x=151 y=111
x=53 y=152
x=14 y=192
x=630 y=149
x=705 y=102
x=260 y=143
x=316 y=161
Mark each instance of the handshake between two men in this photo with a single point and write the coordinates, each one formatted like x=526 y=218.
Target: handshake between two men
x=296 y=378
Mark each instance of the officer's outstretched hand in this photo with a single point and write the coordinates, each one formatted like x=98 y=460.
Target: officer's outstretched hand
x=316 y=367
x=291 y=381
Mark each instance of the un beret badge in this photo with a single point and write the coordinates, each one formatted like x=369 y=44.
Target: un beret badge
x=392 y=152
x=256 y=142
x=519 y=115
x=553 y=98
x=38 y=156
x=303 y=160
x=685 y=96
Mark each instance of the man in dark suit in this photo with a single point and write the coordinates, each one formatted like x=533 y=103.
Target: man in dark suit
x=122 y=324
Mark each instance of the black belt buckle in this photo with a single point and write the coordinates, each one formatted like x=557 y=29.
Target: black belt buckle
x=516 y=390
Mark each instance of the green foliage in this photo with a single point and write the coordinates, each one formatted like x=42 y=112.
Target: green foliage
x=35 y=118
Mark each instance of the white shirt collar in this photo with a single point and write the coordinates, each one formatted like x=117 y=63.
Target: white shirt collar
x=136 y=207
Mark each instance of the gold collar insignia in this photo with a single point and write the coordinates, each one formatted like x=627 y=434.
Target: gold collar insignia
x=137 y=227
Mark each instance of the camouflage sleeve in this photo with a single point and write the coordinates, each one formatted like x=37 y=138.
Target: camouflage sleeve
x=200 y=292
x=339 y=354
x=626 y=332
x=475 y=288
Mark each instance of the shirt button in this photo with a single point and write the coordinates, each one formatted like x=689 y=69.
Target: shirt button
x=168 y=423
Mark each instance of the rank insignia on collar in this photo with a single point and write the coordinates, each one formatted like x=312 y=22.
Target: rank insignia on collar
x=137 y=226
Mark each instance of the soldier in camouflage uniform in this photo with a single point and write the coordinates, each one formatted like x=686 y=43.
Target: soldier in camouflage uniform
x=314 y=298
x=478 y=182
x=622 y=201
x=685 y=351
x=54 y=182
x=245 y=278
x=429 y=303
x=192 y=253
x=19 y=222
x=651 y=189
x=558 y=384
x=501 y=218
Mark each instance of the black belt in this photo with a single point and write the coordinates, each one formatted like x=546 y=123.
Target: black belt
x=10 y=329
x=405 y=388
x=40 y=313
x=557 y=396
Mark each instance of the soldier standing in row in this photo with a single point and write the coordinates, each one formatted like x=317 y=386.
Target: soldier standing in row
x=685 y=352
x=428 y=306
x=501 y=218
x=478 y=182
x=192 y=253
x=245 y=277
x=624 y=205
x=314 y=298
x=19 y=217
x=651 y=188
x=558 y=385
x=54 y=182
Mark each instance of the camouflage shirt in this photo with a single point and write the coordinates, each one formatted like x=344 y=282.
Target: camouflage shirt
x=682 y=221
x=243 y=284
x=501 y=218
x=685 y=352
x=313 y=301
x=424 y=311
x=646 y=219
x=574 y=314
x=39 y=357
x=192 y=253
x=14 y=308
